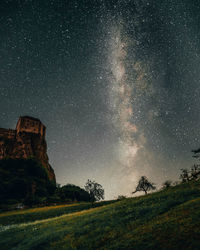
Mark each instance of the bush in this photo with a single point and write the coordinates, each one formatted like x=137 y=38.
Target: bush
x=121 y=197
x=71 y=192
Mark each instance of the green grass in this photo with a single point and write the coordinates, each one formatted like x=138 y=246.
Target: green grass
x=34 y=214
x=169 y=219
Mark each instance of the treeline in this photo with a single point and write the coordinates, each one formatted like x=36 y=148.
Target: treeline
x=186 y=175
x=92 y=192
x=26 y=182
x=144 y=185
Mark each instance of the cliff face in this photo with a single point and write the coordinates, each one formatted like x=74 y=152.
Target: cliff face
x=23 y=145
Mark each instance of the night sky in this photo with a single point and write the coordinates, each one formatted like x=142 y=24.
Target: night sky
x=117 y=84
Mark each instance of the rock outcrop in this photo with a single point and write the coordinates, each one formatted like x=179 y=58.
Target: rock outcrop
x=26 y=141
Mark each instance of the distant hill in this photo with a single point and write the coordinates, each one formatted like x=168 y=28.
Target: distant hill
x=168 y=219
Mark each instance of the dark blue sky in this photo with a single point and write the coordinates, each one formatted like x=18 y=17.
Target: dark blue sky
x=115 y=82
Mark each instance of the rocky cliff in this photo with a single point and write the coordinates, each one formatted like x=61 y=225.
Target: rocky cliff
x=23 y=145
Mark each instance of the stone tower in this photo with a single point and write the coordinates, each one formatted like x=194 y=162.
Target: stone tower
x=30 y=125
x=27 y=140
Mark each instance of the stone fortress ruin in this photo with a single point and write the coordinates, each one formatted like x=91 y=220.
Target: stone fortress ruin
x=25 y=124
x=30 y=125
x=27 y=140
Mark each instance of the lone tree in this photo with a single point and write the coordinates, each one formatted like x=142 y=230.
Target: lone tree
x=144 y=185
x=95 y=190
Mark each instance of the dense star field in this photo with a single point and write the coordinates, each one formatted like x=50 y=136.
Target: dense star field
x=115 y=82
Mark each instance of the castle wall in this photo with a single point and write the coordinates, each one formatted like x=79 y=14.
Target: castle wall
x=18 y=145
x=7 y=133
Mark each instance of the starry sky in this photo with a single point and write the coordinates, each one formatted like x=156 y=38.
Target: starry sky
x=117 y=84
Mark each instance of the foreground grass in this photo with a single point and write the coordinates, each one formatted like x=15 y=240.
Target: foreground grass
x=165 y=220
x=34 y=214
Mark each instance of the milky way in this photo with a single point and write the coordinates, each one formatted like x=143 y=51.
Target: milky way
x=120 y=95
x=115 y=82
x=145 y=81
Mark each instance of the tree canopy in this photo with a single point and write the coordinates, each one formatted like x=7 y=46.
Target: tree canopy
x=72 y=192
x=95 y=190
x=144 y=185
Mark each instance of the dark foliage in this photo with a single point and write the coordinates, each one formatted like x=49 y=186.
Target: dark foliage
x=121 y=197
x=195 y=172
x=144 y=185
x=192 y=174
x=23 y=181
x=185 y=175
x=196 y=152
x=167 y=184
x=71 y=192
x=95 y=190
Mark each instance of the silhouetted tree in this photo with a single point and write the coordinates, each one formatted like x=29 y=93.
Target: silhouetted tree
x=144 y=185
x=185 y=175
x=167 y=184
x=196 y=153
x=192 y=174
x=95 y=190
x=195 y=172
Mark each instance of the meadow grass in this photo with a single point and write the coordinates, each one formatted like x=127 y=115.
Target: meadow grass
x=168 y=219
x=33 y=214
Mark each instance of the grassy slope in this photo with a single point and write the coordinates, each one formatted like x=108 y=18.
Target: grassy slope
x=33 y=214
x=168 y=219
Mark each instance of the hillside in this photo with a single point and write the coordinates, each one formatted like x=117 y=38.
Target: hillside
x=23 y=180
x=168 y=219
